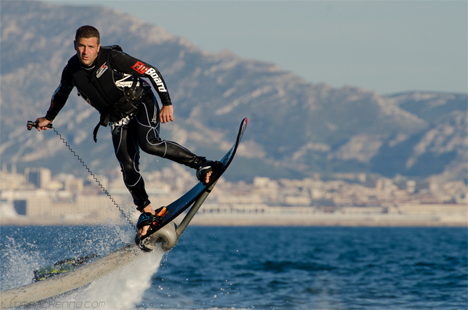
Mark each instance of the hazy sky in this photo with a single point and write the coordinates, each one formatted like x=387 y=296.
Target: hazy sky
x=385 y=46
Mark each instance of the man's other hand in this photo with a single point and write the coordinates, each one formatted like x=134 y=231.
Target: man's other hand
x=166 y=114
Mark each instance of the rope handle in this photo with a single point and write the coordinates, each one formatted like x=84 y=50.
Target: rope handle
x=31 y=124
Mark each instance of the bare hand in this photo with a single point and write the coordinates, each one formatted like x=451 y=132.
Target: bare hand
x=166 y=114
x=42 y=123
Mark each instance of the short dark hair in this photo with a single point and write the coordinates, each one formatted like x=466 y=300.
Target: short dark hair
x=87 y=32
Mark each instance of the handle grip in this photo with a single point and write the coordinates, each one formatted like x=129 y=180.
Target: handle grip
x=32 y=124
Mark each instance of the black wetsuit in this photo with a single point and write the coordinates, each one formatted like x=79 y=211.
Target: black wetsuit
x=113 y=86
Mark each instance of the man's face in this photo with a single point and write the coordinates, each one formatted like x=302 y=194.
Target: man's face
x=87 y=50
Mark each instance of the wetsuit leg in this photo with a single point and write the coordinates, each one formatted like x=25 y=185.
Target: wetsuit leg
x=147 y=123
x=127 y=151
x=143 y=132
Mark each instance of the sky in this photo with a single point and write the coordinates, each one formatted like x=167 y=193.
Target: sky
x=387 y=46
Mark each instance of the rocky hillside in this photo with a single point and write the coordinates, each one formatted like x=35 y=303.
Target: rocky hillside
x=296 y=128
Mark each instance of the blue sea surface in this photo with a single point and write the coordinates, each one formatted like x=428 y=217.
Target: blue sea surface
x=270 y=267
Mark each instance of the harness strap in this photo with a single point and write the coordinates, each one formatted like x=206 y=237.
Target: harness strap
x=123 y=107
x=103 y=121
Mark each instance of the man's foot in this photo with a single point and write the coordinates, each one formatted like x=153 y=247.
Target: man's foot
x=149 y=218
x=207 y=170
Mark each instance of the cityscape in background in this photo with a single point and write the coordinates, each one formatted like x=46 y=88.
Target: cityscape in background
x=38 y=197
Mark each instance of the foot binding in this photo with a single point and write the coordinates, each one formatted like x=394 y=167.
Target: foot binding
x=147 y=218
x=208 y=166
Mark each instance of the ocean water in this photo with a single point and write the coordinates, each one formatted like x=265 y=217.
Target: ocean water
x=255 y=268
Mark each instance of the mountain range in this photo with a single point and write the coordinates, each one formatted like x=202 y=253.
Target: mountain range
x=296 y=128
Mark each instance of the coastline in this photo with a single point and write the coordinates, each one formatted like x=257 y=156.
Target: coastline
x=280 y=220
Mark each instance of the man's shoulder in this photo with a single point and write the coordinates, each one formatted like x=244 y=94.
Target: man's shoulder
x=72 y=59
x=115 y=52
x=73 y=62
x=112 y=48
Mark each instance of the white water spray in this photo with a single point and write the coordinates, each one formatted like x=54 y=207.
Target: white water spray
x=121 y=289
x=17 y=265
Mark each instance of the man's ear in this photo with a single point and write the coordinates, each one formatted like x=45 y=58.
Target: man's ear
x=74 y=45
x=99 y=47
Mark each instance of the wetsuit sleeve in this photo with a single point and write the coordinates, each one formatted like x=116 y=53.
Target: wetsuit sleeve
x=60 y=96
x=127 y=64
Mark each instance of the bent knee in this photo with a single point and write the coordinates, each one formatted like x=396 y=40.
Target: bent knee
x=155 y=147
x=127 y=164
